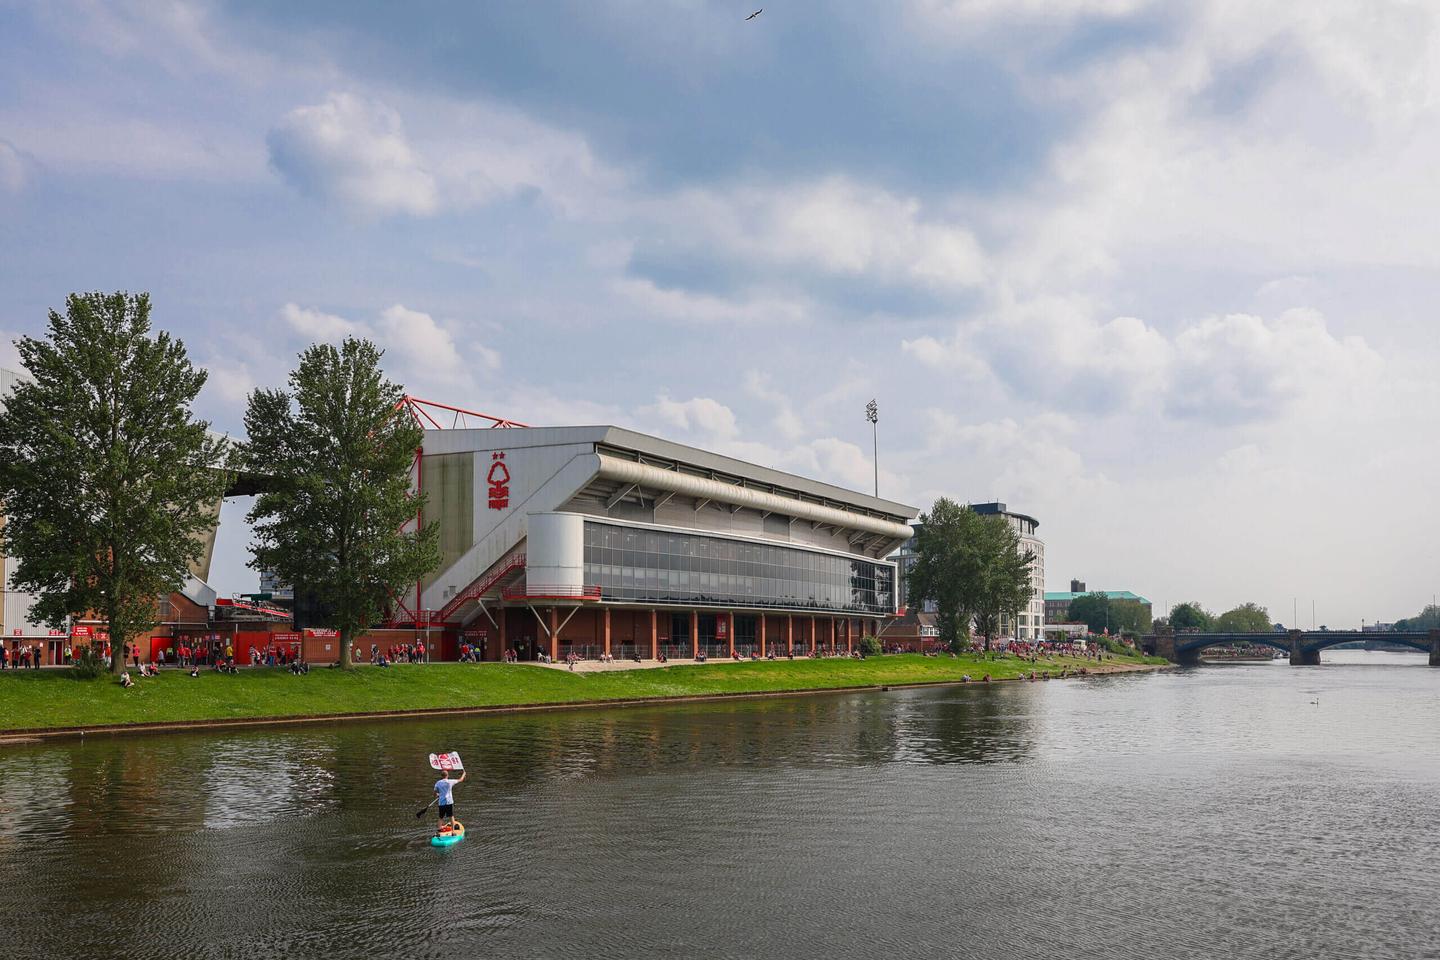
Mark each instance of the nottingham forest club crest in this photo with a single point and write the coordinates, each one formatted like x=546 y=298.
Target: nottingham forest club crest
x=499 y=480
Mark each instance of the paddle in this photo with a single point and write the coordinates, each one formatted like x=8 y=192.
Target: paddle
x=421 y=812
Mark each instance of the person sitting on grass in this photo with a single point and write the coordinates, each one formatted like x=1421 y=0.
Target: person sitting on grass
x=125 y=680
x=195 y=671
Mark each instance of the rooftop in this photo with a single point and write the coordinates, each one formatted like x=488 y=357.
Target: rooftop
x=644 y=447
x=1067 y=596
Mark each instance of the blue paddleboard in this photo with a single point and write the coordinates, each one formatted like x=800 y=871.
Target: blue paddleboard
x=448 y=839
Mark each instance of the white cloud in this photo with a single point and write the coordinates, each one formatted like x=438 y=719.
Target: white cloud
x=419 y=349
x=836 y=227
x=700 y=415
x=316 y=324
x=413 y=156
x=1238 y=368
x=232 y=381
x=700 y=308
x=354 y=151
x=784 y=419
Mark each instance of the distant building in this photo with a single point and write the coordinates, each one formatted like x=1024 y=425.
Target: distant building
x=270 y=583
x=1031 y=624
x=1057 y=604
x=1032 y=619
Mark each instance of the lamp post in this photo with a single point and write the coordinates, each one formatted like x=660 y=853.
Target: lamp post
x=872 y=413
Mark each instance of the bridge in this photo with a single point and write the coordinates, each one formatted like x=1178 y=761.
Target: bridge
x=1303 y=646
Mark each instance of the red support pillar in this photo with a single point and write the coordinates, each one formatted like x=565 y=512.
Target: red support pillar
x=790 y=634
x=849 y=635
x=654 y=635
x=694 y=633
x=730 y=632
x=762 y=636
x=813 y=634
x=554 y=635
x=607 y=631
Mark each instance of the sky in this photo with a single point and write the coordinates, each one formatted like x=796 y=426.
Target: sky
x=1161 y=274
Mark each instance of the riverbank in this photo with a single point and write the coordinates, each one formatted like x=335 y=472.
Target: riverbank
x=48 y=702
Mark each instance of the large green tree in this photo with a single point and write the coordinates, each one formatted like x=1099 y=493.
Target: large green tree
x=338 y=452
x=109 y=482
x=1246 y=618
x=1190 y=617
x=946 y=570
x=1100 y=612
x=971 y=567
x=1005 y=587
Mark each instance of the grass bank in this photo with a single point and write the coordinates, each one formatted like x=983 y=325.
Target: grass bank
x=40 y=700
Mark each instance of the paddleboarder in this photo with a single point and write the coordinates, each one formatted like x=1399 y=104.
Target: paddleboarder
x=443 y=788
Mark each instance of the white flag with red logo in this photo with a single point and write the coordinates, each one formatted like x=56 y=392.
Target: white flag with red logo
x=446 y=761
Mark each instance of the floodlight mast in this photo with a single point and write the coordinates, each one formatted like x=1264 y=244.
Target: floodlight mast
x=872 y=413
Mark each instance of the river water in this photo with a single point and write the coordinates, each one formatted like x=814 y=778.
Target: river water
x=1229 y=811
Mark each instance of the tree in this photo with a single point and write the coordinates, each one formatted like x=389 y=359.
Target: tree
x=972 y=568
x=1101 y=613
x=1005 y=587
x=1129 y=617
x=1093 y=610
x=946 y=570
x=109 y=482
x=1246 y=618
x=338 y=452
x=1191 y=618
x=1427 y=619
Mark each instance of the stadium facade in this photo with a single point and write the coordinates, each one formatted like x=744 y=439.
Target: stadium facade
x=597 y=539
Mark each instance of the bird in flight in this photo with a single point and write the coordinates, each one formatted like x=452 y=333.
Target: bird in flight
x=756 y=14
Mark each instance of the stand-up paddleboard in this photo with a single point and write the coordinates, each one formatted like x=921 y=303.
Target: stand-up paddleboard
x=446 y=762
x=449 y=837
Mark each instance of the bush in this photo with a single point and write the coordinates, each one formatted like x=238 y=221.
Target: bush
x=1112 y=645
x=89 y=664
x=870 y=646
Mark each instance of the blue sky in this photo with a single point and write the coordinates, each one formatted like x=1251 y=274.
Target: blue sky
x=1159 y=274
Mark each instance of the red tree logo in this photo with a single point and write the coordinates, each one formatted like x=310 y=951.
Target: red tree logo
x=499 y=480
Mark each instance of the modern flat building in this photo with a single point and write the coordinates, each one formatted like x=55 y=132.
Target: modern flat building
x=599 y=539
x=1031 y=621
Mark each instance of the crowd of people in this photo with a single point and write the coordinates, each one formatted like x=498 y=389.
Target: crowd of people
x=24 y=656
x=399 y=653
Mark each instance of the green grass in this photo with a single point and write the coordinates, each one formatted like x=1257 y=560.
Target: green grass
x=35 y=700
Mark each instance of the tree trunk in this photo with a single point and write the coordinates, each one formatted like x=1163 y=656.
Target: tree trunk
x=117 y=644
x=347 y=641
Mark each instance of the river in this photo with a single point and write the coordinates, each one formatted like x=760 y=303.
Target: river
x=1249 y=810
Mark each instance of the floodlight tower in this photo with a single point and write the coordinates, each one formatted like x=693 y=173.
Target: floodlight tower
x=872 y=413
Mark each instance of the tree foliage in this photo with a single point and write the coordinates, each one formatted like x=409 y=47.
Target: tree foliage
x=1190 y=617
x=1427 y=619
x=339 y=455
x=109 y=482
x=1246 y=618
x=972 y=568
x=1101 y=612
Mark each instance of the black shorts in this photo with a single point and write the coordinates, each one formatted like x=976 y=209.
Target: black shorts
x=447 y=809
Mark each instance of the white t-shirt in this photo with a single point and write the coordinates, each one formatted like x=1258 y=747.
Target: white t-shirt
x=443 y=787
